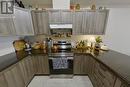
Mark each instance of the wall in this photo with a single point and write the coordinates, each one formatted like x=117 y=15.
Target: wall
x=61 y=4
x=118 y=30
x=6 y=45
x=73 y=39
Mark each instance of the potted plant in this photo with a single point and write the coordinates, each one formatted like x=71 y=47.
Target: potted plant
x=98 y=41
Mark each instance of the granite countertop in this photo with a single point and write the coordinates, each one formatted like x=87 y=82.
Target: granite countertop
x=14 y=57
x=119 y=63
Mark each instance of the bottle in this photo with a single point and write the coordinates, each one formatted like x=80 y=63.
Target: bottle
x=49 y=44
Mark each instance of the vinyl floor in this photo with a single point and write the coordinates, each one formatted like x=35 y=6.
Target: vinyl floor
x=46 y=81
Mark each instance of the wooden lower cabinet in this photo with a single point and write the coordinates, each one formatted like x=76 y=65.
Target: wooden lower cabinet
x=104 y=77
x=80 y=64
x=3 y=82
x=120 y=83
x=100 y=75
x=13 y=77
x=28 y=68
x=42 y=64
x=21 y=73
x=91 y=65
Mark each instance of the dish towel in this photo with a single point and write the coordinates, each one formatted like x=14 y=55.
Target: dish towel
x=60 y=63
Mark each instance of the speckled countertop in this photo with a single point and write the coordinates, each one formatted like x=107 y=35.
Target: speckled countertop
x=119 y=63
x=14 y=57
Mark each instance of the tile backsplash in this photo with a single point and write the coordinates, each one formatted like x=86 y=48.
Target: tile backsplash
x=33 y=39
x=74 y=38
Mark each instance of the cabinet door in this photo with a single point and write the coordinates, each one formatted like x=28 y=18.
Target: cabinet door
x=66 y=17
x=94 y=22
x=100 y=22
x=120 y=83
x=23 y=68
x=42 y=64
x=23 y=22
x=3 y=82
x=88 y=22
x=28 y=68
x=40 y=22
x=14 y=77
x=91 y=65
x=6 y=26
x=77 y=22
x=80 y=64
x=101 y=76
x=54 y=16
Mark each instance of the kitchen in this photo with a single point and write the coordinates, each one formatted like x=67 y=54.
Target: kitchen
x=46 y=45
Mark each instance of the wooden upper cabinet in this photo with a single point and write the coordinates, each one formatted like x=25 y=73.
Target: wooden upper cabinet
x=54 y=16
x=23 y=22
x=90 y=22
x=77 y=22
x=6 y=25
x=60 y=16
x=101 y=21
x=66 y=17
x=40 y=22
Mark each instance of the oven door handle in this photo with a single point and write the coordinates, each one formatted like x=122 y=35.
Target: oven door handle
x=69 y=58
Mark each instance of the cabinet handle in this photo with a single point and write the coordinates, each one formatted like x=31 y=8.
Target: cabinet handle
x=102 y=67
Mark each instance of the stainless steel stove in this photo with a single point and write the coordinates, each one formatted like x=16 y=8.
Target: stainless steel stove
x=61 y=61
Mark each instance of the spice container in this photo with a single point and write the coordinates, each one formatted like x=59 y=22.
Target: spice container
x=77 y=6
x=93 y=7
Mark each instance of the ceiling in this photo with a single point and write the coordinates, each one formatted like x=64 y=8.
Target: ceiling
x=83 y=3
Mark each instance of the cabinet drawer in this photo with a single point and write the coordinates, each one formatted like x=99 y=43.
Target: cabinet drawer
x=106 y=72
x=104 y=75
x=120 y=83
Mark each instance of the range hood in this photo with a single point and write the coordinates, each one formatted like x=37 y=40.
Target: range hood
x=61 y=4
x=59 y=30
x=60 y=26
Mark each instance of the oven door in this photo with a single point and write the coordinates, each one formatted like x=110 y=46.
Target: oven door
x=68 y=70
